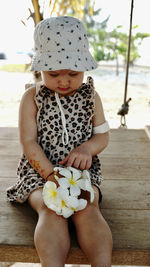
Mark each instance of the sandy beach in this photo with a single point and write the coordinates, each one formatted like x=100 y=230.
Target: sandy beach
x=107 y=84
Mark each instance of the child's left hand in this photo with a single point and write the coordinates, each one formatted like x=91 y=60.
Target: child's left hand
x=79 y=158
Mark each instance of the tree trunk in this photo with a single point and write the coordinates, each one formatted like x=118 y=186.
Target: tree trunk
x=38 y=15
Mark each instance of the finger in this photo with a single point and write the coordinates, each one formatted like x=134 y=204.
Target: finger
x=76 y=163
x=70 y=160
x=88 y=164
x=83 y=164
x=64 y=160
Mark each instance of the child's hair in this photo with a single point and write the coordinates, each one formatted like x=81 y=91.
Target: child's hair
x=61 y=43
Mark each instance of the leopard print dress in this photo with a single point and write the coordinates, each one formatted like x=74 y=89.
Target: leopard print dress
x=78 y=111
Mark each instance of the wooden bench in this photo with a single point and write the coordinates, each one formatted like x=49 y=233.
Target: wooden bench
x=126 y=201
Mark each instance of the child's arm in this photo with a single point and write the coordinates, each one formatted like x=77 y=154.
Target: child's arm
x=28 y=135
x=81 y=157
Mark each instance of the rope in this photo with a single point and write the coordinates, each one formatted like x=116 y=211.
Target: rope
x=125 y=106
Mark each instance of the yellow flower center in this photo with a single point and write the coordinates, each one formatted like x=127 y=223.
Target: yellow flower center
x=53 y=193
x=63 y=203
x=72 y=181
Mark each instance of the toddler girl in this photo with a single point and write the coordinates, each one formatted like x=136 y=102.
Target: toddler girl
x=62 y=123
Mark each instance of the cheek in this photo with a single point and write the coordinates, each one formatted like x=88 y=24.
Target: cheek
x=49 y=83
x=80 y=81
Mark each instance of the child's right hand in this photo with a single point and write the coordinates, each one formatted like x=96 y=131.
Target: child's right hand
x=79 y=158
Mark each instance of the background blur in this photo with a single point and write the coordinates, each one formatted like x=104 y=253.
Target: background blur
x=108 y=28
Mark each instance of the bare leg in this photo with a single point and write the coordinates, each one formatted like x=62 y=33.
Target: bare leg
x=93 y=234
x=51 y=235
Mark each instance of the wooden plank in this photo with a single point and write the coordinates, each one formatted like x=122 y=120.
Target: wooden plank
x=123 y=135
x=117 y=147
x=117 y=195
x=114 y=168
x=20 y=227
x=125 y=168
x=75 y=256
x=126 y=194
x=115 y=134
x=8 y=167
x=9 y=133
x=130 y=228
x=119 y=150
x=9 y=147
x=127 y=149
x=131 y=257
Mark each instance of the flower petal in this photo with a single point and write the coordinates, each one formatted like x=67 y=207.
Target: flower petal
x=63 y=182
x=92 y=195
x=73 y=202
x=82 y=184
x=65 y=172
x=75 y=173
x=66 y=212
x=58 y=169
x=63 y=192
x=75 y=190
x=86 y=175
x=82 y=204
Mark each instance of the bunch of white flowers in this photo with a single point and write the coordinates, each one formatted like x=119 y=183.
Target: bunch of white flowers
x=64 y=200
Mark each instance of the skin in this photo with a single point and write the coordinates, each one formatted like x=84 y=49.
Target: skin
x=98 y=244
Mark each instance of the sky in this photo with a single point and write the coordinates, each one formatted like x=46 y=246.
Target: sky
x=16 y=37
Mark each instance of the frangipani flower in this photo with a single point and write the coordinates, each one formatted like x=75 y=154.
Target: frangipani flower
x=50 y=196
x=68 y=204
x=86 y=175
x=64 y=199
x=70 y=180
x=86 y=185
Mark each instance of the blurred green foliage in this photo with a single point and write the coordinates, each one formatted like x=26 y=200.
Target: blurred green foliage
x=14 y=68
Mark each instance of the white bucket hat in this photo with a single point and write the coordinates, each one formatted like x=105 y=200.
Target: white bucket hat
x=61 y=43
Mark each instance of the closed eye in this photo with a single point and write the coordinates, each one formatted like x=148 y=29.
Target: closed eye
x=73 y=74
x=54 y=74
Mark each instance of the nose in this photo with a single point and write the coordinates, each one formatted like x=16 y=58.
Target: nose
x=64 y=81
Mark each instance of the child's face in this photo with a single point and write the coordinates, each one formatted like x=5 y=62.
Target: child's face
x=64 y=82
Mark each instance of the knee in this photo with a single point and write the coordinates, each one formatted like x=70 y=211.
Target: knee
x=85 y=214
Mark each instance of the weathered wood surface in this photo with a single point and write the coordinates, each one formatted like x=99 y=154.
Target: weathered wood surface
x=126 y=201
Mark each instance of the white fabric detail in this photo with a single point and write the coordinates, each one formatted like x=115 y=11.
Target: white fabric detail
x=103 y=128
x=64 y=133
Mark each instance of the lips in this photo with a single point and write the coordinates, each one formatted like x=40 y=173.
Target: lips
x=63 y=89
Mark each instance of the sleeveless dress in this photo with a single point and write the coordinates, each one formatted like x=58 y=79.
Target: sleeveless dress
x=78 y=111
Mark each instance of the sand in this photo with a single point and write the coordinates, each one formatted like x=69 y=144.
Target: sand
x=107 y=84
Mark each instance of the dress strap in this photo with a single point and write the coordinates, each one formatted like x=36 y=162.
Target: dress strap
x=65 y=133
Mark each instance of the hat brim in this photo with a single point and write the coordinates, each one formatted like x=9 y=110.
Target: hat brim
x=51 y=61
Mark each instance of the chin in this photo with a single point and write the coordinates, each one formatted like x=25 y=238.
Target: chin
x=65 y=92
